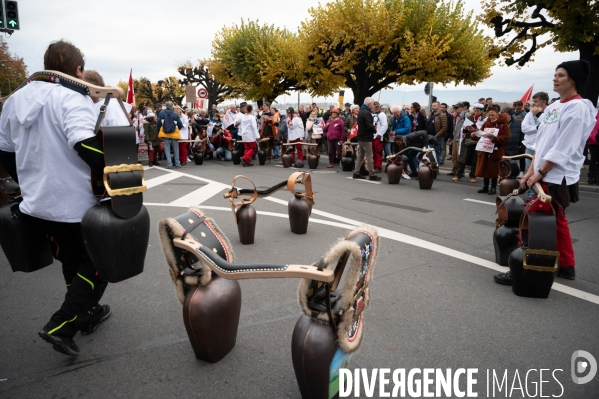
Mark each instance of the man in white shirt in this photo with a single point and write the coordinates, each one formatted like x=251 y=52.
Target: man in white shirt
x=295 y=131
x=561 y=138
x=48 y=144
x=249 y=129
x=531 y=122
x=184 y=135
x=382 y=124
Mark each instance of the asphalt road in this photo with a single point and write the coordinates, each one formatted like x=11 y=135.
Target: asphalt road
x=434 y=303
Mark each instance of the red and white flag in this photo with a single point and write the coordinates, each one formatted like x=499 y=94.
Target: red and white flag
x=130 y=91
x=528 y=95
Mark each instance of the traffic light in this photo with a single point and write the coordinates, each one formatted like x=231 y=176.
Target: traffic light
x=12 y=15
x=2 y=17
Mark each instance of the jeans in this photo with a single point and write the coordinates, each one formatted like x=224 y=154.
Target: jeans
x=276 y=151
x=528 y=162
x=413 y=160
x=440 y=150
x=167 y=149
x=224 y=153
x=388 y=148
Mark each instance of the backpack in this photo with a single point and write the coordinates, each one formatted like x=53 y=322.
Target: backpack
x=168 y=124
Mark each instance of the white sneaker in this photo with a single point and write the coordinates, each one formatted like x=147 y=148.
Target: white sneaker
x=405 y=176
x=521 y=175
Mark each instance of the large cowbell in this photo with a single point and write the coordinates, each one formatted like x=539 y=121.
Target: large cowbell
x=117 y=231
x=25 y=245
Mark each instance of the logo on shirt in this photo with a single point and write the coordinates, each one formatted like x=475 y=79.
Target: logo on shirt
x=552 y=116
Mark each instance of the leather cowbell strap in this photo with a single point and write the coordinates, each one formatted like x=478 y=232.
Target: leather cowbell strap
x=305 y=179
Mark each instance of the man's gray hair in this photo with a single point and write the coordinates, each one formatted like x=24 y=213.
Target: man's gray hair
x=169 y=105
x=368 y=100
x=396 y=108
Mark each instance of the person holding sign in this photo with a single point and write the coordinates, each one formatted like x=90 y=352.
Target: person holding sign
x=491 y=139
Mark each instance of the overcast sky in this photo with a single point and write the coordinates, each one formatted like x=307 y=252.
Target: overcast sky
x=153 y=36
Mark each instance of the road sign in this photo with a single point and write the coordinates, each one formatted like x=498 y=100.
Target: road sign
x=12 y=15
x=190 y=93
x=428 y=88
x=202 y=93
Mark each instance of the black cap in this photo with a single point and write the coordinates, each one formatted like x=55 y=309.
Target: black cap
x=578 y=71
x=347 y=104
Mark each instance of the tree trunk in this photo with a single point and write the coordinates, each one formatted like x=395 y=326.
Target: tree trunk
x=590 y=90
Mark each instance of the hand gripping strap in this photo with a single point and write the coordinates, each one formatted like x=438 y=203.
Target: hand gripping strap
x=305 y=179
x=354 y=258
x=234 y=193
x=185 y=269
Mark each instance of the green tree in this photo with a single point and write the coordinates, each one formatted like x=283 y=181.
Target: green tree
x=13 y=70
x=372 y=44
x=258 y=60
x=524 y=26
x=148 y=93
x=201 y=74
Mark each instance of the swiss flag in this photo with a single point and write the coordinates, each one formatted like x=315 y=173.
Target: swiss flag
x=130 y=91
x=528 y=95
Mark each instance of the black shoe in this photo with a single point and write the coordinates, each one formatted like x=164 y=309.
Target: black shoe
x=60 y=344
x=504 y=278
x=150 y=165
x=413 y=174
x=358 y=176
x=155 y=163
x=451 y=174
x=492 y=191
x=100 y=315
x=375 y=178
x=483 y=190
x=567 y=272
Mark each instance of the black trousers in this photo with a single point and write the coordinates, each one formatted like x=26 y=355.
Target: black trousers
x=471 y=159
x=594 y=162
x=84 y=287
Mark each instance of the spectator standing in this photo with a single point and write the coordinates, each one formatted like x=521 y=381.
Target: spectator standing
x=334 y=131
x=170 y=133
x=449 y=135
x=151 y=138
x=593 y=144
x=531 y=122
x=519 y=112
x=382 y=126
x=295 y=131
x=458 y=122
x=417 y=117
x=468 y=154
x=249 y=130
x=366 y=131
x=184 y=135
x=232 y=119
x=350 y=121
x=512 y=147
x=437 y=126
x=487 y=166
x=346 y=111
x=526 y=107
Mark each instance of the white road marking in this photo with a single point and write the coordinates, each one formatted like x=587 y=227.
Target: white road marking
x=200 y=195
x=365 y=180
x=480 y=202
x=406 y=239
x=161 y=180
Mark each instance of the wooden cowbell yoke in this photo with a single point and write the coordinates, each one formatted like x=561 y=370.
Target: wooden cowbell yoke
x=116 y=231
x=333 y=295
x=299 y=207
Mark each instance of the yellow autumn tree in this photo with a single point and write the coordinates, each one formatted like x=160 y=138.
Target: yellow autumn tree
x=371 y=44
x=260 y=61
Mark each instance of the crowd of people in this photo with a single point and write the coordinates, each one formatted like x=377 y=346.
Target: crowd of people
x=376 y=130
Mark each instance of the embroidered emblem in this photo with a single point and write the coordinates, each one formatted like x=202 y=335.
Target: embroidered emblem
x=552 y=116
